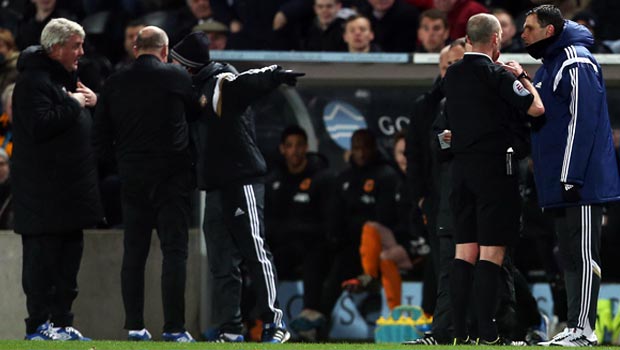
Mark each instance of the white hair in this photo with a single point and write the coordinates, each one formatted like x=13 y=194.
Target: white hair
x=58 y=31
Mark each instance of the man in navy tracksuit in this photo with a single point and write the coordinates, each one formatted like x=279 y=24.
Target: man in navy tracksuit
x=231 y=169
x=574 y=161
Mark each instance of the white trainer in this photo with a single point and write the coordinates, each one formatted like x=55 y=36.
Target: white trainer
x=572 y=337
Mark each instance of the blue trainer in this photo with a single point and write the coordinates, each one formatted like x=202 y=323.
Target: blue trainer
x=180 y=337
x=70 y=333
x=44 y=332
x=139 y=335
x=275 y=334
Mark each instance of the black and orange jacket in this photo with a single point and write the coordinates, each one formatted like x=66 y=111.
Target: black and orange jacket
x=295 y=203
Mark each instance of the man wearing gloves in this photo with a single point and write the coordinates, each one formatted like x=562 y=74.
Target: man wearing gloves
x=230 y=168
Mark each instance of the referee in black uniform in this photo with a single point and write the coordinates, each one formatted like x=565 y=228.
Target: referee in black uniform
x=481 y=97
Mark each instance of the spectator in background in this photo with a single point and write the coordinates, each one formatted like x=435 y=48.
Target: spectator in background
x=6 y=204
x=325 y=32
x=358 y=35
x=186 y=18
x=264 y=24
x=217 y=33
x=364 y=191
x=511 y=42
x=433 y=31
x=395 y=24
x=131 y=33
x=6 y=120
x=589 y=20
x=295 y=210
x=387 y=250
x=30 y=29
x=458 y=12
x=422 y=5
x=55 y=182
x=10 y=19
x=8 y=59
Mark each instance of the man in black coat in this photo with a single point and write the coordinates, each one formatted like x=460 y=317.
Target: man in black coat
x=54 y=184
x=231 y=170
x=142 y=113
x=395 y=23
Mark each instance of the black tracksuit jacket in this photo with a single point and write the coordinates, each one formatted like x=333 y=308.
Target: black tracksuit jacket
x=225 y=132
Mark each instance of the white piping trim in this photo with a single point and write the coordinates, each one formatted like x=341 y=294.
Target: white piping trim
x=572 y=59
x=267 y=267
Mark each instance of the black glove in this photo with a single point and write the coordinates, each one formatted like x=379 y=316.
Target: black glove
x=286 y=76
x=570 y=192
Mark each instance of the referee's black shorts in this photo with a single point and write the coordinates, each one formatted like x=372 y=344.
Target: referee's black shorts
x=485 y=200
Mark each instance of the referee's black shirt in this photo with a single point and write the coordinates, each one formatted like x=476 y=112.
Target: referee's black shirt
x=481 y=100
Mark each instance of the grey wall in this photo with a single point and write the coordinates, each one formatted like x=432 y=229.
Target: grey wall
x=98 y=308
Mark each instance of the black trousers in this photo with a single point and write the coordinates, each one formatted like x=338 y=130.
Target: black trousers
x=442 y=317
x=579 y=238
x=164 y=205
x=234 y=233
x=49 y=277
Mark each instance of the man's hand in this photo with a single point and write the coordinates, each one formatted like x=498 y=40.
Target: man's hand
x=513 y=67
x=286 y=76
x=79 y=97
x=89 y=96
x=570 y=192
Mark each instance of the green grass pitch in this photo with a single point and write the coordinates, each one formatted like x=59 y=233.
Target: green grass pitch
x=123 y=345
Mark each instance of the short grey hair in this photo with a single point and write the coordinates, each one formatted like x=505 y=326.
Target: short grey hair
x=58 y=31
x=481 y=27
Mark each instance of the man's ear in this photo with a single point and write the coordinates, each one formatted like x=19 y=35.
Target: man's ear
x=163 y=53
x=550 y=31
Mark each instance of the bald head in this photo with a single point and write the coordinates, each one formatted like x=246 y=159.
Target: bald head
x=443 y=60
x=482 y=27
x=152 y=40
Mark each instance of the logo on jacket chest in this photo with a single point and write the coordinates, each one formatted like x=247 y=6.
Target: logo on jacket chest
x=369 y=185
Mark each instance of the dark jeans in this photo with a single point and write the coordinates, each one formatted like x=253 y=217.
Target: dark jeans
x=164 y=205
x=49 y=277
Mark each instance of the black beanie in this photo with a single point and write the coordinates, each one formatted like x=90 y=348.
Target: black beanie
x=192 y=51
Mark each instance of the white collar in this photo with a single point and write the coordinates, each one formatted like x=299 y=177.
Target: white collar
x=480 y=54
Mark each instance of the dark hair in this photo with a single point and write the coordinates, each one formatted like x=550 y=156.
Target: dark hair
x=435 y=14
x=548 y=15
x=401 y=135
x=293 y=130
x=367 y=135
x=354 y=18
x=135 y=23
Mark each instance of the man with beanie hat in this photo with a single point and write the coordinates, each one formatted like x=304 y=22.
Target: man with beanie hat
x=142 y=115
x=231 y=169
x=574 y=157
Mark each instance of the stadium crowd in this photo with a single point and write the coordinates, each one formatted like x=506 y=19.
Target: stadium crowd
x=368 y=226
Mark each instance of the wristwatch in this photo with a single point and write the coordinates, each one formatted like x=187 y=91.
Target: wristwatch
x=524 y=75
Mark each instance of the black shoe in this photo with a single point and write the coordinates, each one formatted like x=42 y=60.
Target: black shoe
x=461 y=341
x=500 y=341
